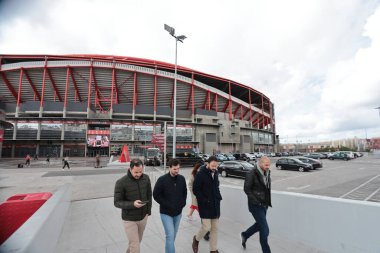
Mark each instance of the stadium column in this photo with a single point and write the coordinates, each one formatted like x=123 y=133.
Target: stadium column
x=262 y=110
x=66 y=92
x=43 y=88
x=155 y=94
x=250 y=108
x=19 y=92
x=230 y=100
x=112 y=89
x=89 y=92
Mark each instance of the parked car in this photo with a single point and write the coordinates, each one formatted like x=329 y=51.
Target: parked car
x=205 y=157
x=221 y=158
x=340 y=156
x=314 y=162
x=272 y=154
x=278 y=154
x=230 y=157
x=293 y=164
x=234 y=168
x=284 y=154
x=249 y=157
x=315 y=156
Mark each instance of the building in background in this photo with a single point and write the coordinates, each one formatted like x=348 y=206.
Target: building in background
x=83 y=105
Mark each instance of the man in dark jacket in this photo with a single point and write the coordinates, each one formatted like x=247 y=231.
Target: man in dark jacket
x=206 y=190
x=257 y=186
x=170 y=192
x=133 y=194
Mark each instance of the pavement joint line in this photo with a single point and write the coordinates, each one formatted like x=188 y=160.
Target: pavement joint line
x=360 y=186
x=372 y=194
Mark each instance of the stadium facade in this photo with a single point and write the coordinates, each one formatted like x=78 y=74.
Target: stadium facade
x=81 y=105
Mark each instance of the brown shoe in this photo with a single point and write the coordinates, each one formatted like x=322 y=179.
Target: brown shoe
x=195 y=245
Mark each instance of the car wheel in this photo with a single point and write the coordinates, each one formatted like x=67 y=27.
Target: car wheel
x=224 y=173
x=301 y=169
x=279 y=167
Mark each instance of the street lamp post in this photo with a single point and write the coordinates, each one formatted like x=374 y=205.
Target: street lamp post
x=179 y=38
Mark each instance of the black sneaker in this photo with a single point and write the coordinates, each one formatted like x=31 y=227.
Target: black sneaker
x=243 y=240
x=207 y=236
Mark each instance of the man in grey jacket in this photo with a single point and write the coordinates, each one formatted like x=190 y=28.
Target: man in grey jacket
x=133 y=194
x=257 y=186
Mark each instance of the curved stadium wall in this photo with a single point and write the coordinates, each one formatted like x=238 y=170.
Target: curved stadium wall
x=81 y=105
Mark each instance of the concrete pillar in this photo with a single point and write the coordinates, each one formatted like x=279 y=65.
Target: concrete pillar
x=61 y=153
x=39 y=131
x=41 y=111
x=17 y=111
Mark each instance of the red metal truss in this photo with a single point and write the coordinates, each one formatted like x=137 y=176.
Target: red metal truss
x=213 y=102
x=19 y=87
x=113 y=84
x=56 y=91
x=43 y=84
x=31 y=84
x=236 y=110
x=9 y=85
x=89 y=88
x=134 y=91
x=230 y=99
x=246 y=112
x=205 y=102
x=66 y=87
x=226 y=106
x=98 y=101
x=77 y=94
x=155 y=91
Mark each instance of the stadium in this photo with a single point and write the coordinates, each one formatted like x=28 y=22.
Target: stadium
x=83 y=105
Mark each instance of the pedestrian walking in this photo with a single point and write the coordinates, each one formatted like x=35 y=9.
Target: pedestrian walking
x=206 y=190
x=48 y=159
x=35 y=156
x=133 y=195
x=170 y=192
x=27 y=160
x=97 y=161
x=257 y=186
x=66 y=163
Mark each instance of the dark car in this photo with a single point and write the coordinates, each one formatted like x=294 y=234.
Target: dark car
x=340 y=156
x=278 y=154
x=234 y=168
x=244 y=157
x=316 y=163
x=187 y=158
x=293 y=164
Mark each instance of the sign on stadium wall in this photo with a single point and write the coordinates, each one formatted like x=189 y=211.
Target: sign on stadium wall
x=1 y=135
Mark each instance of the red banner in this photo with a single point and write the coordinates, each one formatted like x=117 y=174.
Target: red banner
x=1 y=135
x=98 y=132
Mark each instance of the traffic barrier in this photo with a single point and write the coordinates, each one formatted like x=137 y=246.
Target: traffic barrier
x=18 y=209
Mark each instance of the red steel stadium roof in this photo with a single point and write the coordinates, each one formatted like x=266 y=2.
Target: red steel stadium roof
x=105 y=80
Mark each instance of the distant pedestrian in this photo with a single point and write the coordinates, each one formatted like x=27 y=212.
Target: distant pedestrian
x=66 y=162
x=97 y=161
x=48 y=159
x=133 y=194
x=206 y=189
x=170 y=192
x=27 y=160
x=35 y=156
x=257 y=186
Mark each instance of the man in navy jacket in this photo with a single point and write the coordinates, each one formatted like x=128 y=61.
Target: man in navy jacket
x=206 y=189
x=170 y=192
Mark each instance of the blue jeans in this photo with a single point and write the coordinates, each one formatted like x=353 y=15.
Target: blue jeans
x=171 y=225
x=261 y=226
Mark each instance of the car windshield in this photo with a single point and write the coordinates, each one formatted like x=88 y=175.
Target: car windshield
x=247 y=165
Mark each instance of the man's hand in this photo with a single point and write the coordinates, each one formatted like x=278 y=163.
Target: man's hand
x=138 y=204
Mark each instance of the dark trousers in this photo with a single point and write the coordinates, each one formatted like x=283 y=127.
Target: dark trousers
x=66 y=164
x=259 y=214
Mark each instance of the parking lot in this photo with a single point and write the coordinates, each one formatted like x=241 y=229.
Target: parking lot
x=357 y=179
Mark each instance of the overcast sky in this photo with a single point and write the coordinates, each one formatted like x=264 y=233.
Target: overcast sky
x=317 y=60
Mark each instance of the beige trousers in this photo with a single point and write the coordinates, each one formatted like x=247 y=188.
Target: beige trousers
x=212 y=226
x=135 y=231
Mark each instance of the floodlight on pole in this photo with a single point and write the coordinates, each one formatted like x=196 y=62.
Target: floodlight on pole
x=378 y=108
x=180 y=38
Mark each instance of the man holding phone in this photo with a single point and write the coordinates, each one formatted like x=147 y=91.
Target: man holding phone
x=133 y=194
x=170 y=192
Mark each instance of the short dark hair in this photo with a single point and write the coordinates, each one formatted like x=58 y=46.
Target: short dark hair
x=174 y=162
x=135 y=163
x=211 y=159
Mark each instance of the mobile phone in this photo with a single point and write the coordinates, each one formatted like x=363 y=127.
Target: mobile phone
x=144 y=202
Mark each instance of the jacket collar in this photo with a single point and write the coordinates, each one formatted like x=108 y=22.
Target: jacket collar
x=260 y=176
